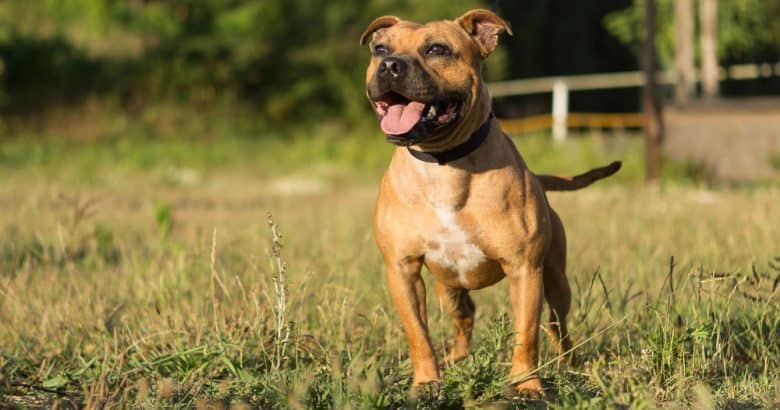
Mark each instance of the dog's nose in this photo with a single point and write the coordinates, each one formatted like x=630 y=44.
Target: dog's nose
x=392 y=66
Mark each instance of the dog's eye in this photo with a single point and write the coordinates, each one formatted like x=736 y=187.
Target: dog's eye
x=438 y=50
x=381 y=50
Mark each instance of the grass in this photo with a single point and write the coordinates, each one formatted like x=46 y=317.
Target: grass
x=144 y=273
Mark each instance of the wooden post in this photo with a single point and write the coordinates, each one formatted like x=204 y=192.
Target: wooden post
x=560 y=110
x=708 y=14
x=685 y=70
x=651 y=108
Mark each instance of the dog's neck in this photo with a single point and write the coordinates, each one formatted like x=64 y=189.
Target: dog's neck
x=450 y=184
x=453 y=154
x=452 y=181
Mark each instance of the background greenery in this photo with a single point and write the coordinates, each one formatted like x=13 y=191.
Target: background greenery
x=748 y=30
x=285 y=62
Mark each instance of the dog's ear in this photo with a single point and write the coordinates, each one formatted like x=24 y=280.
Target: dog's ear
x=378 y=24
x=484 y=27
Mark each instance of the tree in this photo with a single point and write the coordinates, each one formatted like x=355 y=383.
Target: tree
x=709 y=47
x=291 y=59
x=684 y=51
x=651 y=107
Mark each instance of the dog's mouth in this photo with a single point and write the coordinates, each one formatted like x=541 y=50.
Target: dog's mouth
x=406 y=121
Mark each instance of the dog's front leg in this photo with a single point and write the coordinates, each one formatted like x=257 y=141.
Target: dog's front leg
x=408 y=291
x=526 y=292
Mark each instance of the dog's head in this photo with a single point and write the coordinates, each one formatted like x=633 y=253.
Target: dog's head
x=425 y=80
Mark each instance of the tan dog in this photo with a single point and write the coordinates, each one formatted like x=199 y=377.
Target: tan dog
x=457 y=196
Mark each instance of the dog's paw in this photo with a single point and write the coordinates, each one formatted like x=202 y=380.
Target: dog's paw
x=425 y=389
x=526 y=390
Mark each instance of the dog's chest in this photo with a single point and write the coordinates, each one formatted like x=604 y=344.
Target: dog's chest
x=451 y=247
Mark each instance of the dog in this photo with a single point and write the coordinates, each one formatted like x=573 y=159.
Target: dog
x=457 y=196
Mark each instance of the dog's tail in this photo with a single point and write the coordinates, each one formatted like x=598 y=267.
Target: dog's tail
x=556 y=183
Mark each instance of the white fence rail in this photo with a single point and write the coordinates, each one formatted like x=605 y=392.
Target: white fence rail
x=562 y=85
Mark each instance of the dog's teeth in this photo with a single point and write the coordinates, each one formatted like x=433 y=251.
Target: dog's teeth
x=432 y=112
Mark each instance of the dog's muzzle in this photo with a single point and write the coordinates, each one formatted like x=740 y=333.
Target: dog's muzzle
x=409 y=108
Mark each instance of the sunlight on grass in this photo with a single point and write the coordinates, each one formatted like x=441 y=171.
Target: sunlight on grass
x=124 y=282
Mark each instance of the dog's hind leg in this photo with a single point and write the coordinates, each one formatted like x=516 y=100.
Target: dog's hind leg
x=459 y=305
x=556 y=286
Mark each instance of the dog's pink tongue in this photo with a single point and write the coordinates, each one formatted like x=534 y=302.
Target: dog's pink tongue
x=401 y=118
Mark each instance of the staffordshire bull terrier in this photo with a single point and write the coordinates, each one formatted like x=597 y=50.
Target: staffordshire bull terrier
x=458 y=197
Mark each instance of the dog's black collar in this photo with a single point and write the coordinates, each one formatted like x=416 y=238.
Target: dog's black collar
x=443 y=157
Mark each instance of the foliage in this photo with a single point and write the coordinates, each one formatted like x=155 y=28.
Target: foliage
x=292 y=58
x=281 y=63
x=748 y=30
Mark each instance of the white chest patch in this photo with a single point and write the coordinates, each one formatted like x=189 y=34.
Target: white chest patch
x=451 y=248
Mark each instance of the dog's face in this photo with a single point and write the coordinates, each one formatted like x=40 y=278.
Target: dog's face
x=424 y=79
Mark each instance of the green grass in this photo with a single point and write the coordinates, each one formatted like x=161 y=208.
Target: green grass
x=331 y=152
x=143 y=273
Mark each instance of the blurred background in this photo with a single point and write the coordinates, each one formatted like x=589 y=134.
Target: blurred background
x=265 y=74
x=143 y=141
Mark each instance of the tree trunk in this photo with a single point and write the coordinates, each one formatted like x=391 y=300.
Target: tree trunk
x=651 y=108
x=708 y=14
x=683 y=52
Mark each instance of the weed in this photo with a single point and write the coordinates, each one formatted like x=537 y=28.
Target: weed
x=97 y=311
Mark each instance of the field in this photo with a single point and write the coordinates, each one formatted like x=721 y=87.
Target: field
x=144 y=273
